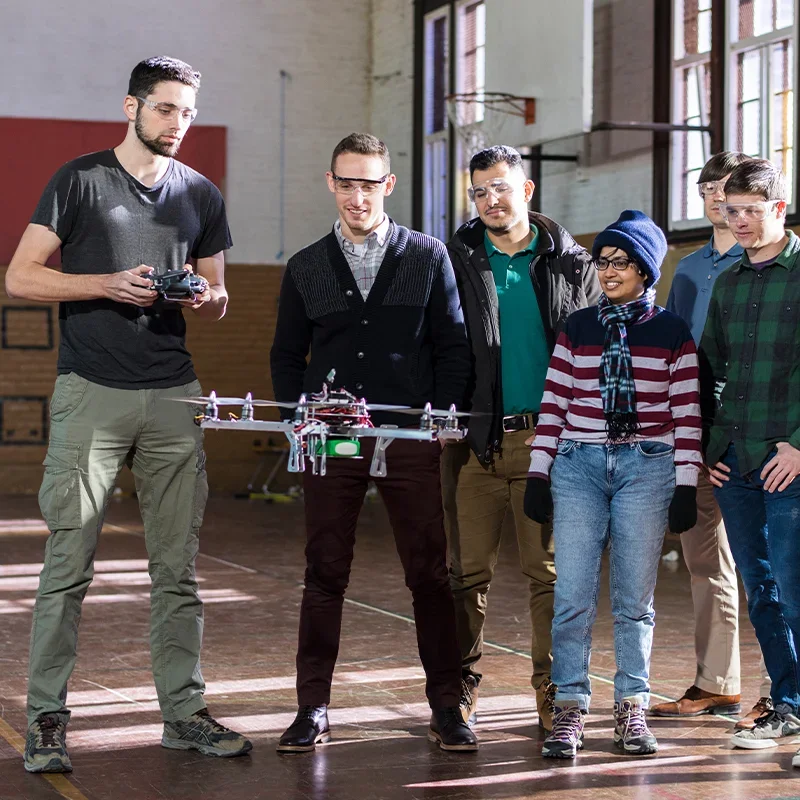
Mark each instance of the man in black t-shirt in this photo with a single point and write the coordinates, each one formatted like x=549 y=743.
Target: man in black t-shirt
x=117 y=216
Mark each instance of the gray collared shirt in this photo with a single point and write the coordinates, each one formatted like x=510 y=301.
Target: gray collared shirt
x=365 y=259
x=694 y=279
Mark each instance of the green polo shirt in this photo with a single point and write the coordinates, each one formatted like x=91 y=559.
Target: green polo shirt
x=524 y=353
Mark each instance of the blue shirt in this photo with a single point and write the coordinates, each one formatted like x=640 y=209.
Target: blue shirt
x=524 y=354
x=694 y=279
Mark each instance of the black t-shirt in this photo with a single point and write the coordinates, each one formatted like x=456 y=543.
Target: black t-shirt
x=109 y=222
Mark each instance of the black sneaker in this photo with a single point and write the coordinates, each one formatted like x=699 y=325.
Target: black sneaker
x=631 y=733
x=310 y=728
x=468 y=703
x=450 y=732
x=566 y=738
x=202 y=732
x=46 y=745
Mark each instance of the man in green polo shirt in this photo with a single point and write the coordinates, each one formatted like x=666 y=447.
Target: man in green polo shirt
x=519 y=275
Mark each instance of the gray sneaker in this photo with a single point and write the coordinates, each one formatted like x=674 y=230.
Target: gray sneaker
x=46 y=745
x=631 y=734
x=769 y=727
x=202 y=732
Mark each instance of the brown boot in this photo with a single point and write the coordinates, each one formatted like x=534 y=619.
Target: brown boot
x=696 y=702
x=545 y=704
x=469 y=699
x=748 y=722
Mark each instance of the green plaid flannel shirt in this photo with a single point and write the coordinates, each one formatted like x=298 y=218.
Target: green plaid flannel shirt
x=751 y=343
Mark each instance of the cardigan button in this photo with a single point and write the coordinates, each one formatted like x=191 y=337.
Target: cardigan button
x=349 y=292
x=359 y=386
x=365 y=322
x=359 y=355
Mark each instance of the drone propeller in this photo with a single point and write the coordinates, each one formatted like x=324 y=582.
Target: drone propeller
x=440 y=412
x=220 y=401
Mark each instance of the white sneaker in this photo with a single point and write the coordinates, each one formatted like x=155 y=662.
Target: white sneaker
x=796 y=759
x=769 y=727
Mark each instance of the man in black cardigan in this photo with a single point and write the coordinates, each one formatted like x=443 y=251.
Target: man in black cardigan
x=378 y=303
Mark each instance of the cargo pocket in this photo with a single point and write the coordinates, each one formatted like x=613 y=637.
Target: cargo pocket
x=67 y=395
x=60 y=495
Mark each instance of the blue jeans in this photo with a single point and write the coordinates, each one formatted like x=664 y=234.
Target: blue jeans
x=617 y=494
x=764 y=535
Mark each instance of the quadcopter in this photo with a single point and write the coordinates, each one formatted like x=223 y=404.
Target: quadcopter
x=179 y=284
x=330 y=424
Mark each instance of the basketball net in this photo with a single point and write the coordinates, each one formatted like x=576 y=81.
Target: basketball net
x=480 y=118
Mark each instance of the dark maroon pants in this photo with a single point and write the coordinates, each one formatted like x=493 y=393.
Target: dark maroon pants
x=412 y=494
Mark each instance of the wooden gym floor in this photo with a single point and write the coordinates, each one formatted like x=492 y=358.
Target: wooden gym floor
x=250 y=569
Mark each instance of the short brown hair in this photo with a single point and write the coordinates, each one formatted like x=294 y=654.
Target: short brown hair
x=722 y=164
x=149 y=73
x=364 y=144
x=757 y=176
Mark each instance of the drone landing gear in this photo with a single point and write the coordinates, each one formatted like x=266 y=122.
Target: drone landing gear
x=377 y=468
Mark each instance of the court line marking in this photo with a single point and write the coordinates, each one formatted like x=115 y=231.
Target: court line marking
x=60 y=783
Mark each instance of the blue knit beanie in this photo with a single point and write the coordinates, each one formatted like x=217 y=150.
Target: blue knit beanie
x=640 y=238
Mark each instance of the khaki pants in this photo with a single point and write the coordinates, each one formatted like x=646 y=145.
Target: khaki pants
x=715 y=596
x=94 y=431
x=476 y=500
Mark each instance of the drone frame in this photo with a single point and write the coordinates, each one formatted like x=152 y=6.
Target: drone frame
x=310 y=428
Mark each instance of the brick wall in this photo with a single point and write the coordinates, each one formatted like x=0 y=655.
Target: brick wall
x=230 y=356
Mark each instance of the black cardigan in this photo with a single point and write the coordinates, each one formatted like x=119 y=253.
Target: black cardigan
x=406 y=344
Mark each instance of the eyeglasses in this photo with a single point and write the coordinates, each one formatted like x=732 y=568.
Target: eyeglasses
x=619 y=264
x=349 y=186
x=498 y=187
x=167 y=110
x=710 y=188
x=733 y=212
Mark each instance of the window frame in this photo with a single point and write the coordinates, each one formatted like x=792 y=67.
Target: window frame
x=722 y=110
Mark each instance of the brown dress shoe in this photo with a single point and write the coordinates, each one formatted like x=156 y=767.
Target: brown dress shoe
x=696 y=702
x=545 y=704
x=748 y=722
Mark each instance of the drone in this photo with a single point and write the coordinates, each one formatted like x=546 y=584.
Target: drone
x=330 y=424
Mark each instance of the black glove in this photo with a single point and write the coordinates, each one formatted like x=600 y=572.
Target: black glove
x=682 y=509
x=538 y=503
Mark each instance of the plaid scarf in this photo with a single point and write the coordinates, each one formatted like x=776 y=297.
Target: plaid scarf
x=616 y=367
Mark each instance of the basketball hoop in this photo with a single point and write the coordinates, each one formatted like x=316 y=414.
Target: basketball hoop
x=479 y=118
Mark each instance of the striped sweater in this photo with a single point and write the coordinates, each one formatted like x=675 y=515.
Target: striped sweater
x=667 y=390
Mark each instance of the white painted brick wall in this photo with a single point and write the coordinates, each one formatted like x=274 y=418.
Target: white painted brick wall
x=73 y=60
x=392 y=78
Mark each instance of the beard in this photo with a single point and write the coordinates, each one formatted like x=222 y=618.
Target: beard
x=155 y=146
x=504 y=226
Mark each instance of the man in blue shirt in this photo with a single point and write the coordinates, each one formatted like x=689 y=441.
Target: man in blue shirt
x=715 y=591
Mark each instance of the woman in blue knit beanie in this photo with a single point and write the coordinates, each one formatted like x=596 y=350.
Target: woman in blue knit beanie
x=615 y=460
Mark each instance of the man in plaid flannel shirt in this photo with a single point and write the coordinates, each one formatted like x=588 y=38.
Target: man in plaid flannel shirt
x=751 y=343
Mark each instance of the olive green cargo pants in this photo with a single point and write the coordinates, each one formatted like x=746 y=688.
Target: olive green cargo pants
x=94 y=431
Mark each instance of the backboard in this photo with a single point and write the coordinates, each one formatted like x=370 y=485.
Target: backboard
x=544 y=54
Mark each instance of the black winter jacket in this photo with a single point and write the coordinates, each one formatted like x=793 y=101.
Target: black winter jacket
x=564 y=280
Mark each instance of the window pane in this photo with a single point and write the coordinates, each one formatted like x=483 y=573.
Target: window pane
x=435 y=74
x=693 y=202
x=692 y=27
x=782 y=106
x=784 y=14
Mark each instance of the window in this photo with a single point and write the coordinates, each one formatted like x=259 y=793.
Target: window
x=470 y=79
x=691 y=106
x=760 y=72
x=436 y=137
x=761 y=81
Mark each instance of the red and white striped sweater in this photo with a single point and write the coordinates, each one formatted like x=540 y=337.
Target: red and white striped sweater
x=667 y=390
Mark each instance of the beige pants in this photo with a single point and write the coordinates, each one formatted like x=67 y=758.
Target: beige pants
x=715 y=595
x=476 y=501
